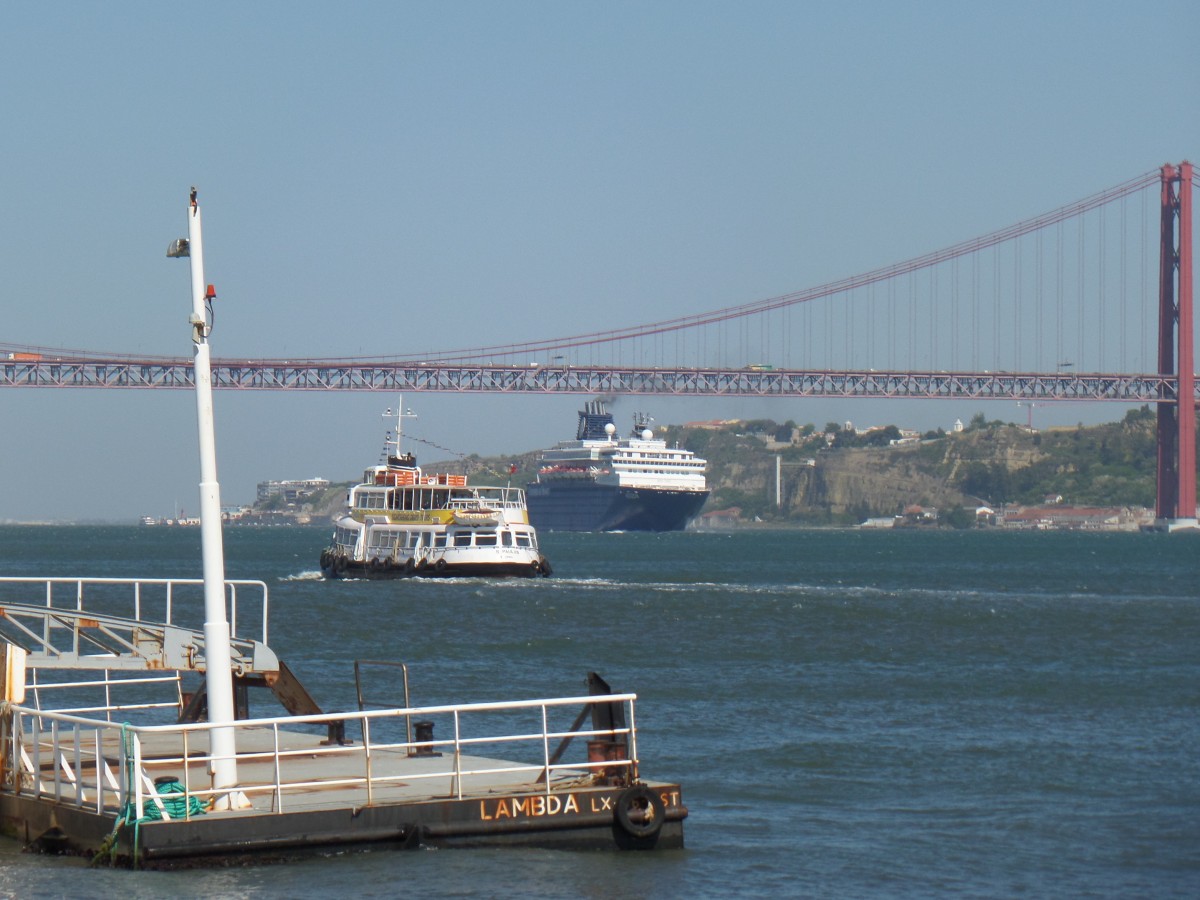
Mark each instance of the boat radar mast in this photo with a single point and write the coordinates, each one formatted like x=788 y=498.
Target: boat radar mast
x=392 y=447
x=219 y=666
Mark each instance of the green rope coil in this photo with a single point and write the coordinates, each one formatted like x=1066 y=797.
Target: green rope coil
x=176 y=806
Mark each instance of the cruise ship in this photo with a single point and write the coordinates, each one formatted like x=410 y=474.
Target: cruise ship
x=601 y=482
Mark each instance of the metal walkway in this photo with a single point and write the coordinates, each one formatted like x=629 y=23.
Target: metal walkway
x=58 y=638
x=104 y=623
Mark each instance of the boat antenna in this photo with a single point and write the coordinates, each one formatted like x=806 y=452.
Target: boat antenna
x=401 y=415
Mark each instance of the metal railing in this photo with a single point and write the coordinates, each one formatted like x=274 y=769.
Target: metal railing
x=106 y=683
x=61 y=757
x=162 y=595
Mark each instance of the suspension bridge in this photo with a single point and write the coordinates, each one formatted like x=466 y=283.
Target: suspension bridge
x=1089 y=302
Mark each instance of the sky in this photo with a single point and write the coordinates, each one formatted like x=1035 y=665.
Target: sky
x=379 y=178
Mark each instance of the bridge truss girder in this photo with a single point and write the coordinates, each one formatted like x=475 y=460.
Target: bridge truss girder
x=706 y=382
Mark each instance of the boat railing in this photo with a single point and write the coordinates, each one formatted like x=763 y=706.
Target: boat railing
x=108 y=694
x=502 y=497
x=107 y=766
x=165 y=601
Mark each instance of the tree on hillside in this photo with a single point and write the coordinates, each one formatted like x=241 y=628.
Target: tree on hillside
x=880 y=437
x=990 y=482
x=960 y=517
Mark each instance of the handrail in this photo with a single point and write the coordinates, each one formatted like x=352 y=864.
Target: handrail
x=168 y=599
x=72 y=757
x=351 y=715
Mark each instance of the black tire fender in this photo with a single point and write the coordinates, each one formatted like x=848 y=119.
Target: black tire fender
x=640 y=812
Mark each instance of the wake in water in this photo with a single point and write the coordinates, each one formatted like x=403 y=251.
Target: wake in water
x=311 y=575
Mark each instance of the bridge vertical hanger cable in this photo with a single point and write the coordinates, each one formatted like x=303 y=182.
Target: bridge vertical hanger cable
x=1102 y=288
x=1079 y=282
x=1038 y=304
x=1058 y=292
x=1122 y=293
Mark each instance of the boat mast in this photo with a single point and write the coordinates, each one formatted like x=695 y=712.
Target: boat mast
x=218 y=673
x=401 y=415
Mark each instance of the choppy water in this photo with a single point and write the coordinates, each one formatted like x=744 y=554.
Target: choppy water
x=850 y=713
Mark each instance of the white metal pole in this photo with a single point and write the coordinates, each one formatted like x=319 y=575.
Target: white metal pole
x=778 y=481
x=218 y=674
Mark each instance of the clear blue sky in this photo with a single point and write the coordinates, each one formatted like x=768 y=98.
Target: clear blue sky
x=381 y=177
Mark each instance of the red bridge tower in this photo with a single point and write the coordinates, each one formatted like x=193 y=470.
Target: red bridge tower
x=1176 y=504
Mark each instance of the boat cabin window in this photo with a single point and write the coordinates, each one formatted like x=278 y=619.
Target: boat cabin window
x=439 y=539
x=462 y=539
x=485 y=539
x=370 y=499
x=506 y=538
x=523 y=539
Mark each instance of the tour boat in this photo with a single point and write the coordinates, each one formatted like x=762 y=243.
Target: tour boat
x=402 y=522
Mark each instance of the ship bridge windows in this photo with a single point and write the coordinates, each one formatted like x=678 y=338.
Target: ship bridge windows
x=370 y=499
x=412 y=499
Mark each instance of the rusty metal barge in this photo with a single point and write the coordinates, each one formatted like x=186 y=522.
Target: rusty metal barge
x=78 y=776
x=107 y=750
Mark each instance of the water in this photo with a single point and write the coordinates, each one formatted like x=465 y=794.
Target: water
x=850 y=713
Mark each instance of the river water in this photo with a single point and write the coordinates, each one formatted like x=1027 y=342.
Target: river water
x=850 y=713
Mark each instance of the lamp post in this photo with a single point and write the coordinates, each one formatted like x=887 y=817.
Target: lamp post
x=218 y=674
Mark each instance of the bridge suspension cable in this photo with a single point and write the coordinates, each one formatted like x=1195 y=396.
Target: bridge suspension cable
x=885 y=273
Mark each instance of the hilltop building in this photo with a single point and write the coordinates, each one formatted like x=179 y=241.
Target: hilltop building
x=291 y=491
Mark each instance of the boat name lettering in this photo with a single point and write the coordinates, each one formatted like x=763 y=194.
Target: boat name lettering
x=532 y=807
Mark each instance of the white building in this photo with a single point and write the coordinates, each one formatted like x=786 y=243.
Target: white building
x=291 y=491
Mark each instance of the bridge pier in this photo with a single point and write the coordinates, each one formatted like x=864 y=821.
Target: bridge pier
x=1175 y=506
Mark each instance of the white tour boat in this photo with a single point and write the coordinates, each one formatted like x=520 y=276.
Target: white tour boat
x=401 y=522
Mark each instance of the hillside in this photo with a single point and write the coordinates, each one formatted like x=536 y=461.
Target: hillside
x=831 y=476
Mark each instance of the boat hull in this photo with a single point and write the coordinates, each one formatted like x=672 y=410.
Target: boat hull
x=589 y=823
x=335 y=567
x=587 y=506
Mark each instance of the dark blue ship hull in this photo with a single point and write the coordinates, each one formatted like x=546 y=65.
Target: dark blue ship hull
x=586 y=506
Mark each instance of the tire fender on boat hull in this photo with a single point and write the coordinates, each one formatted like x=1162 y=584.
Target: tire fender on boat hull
x=640 y=813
